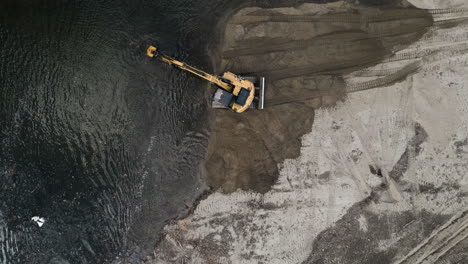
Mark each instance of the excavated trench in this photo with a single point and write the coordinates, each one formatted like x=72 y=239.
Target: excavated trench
x=304 y=53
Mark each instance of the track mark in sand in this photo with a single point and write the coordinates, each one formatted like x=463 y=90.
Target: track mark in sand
x=384 y=81
x=325 y=68
x=447 y=11
x=270 y=45
x=374 y=72
x=445 y=38
x=424 y=58
x=418 y=53
x=440 y=242
x=450 y=22
x=256 y=17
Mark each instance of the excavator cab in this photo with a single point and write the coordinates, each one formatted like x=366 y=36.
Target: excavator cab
x=228 y=99
x=234 y=92
x=223 y=99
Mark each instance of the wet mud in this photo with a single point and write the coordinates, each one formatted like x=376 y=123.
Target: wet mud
x=303 y=52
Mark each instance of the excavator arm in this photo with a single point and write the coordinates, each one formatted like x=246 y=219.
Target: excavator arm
x=153 y=53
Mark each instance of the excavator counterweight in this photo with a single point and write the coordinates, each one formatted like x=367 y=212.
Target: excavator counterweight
x=234 y=92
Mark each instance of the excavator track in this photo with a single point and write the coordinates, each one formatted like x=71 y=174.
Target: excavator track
x=440 y=242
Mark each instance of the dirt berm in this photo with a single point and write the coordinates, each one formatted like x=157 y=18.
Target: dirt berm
x=303 y=52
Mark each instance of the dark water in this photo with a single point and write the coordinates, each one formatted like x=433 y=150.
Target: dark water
x=101 y=141
x=94 y=137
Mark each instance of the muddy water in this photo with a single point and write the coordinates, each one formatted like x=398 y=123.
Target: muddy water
x=303 y=52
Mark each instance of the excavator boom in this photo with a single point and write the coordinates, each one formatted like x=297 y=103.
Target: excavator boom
x=152 y=52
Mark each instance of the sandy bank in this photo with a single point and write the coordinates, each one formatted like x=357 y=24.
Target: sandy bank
x=381 y=177
x=304 y=53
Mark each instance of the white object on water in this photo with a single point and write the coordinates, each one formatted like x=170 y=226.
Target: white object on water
x=38 y=220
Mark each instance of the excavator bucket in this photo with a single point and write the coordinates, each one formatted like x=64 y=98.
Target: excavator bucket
x=151 y=51
x=259 y=101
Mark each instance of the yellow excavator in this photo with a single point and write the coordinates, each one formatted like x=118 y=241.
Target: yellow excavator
x=233 y=92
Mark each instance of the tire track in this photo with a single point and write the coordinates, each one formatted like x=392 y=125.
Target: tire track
x=326 y=68
x=450 y=22
x=447 y=11
x=440 y=242
x=270 y=45
x=390 y=15
x=418 y=53
x=429 y=56
x=374 y=73
x=389 y=79
x=444 y=38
